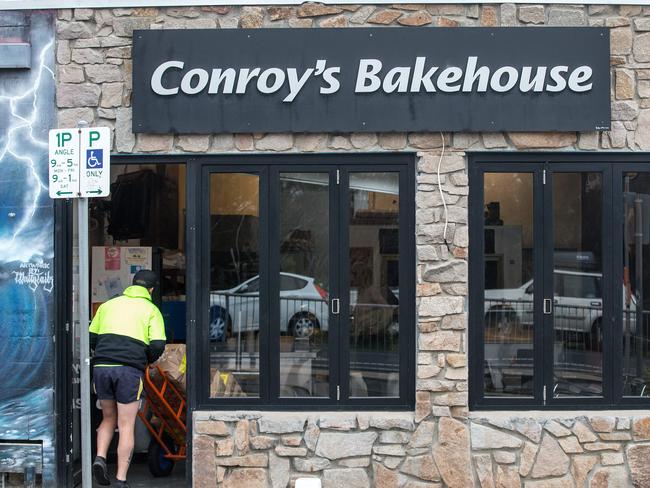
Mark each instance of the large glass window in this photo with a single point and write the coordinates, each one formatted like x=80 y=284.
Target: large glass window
x=635 y=294
x=577 y=271
x=311 y=272
x=234 y=285
x=558 y=282
x=304 y=283
x=508 y=290
x=374 y=284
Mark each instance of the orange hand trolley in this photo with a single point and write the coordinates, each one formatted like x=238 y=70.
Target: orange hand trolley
x=164 y=415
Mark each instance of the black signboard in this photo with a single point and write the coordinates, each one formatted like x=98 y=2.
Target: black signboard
x=371 y=79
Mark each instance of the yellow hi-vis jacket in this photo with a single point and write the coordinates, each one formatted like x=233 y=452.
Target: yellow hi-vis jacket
x=128 y=330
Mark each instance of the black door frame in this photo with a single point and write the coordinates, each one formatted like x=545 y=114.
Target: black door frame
x=612 y=166
x=362 y=162
x=407 y=281
x=203 y=274
x=476 y=273
x=63 y=259
x=194 y=166
x=604 y=169
x=63 y=388
x=618 y=251
x=274 y=270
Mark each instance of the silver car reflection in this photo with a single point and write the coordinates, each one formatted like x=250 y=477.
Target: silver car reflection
x=578 y=305
x=304 y=307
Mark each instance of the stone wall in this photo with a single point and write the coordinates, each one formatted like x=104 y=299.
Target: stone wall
x=386 y=450
x=94 y=70
x=440 y=443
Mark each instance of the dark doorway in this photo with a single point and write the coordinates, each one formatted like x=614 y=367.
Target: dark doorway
x=140 y=225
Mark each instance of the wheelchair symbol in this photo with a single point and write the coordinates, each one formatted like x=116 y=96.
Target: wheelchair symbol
x=94 y=161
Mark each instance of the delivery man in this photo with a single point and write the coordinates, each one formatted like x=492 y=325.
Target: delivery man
x=126 y=333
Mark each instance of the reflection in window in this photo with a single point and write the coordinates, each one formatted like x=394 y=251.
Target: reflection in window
x=234 y=285
x=635 y=295
x=508 y=255
x=578 y=270
x=374 y=285
x=304 y=284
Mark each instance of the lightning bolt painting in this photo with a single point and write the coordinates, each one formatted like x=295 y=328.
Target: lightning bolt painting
x=26 y=247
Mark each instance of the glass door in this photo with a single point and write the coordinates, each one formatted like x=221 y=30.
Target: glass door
x=303 y=285
x=511 y=289
x=232 y=268
x=632 y=333
x=376 y=282
x=546 y=274
x=307 y=284
x=570 y=329
x=576 y=303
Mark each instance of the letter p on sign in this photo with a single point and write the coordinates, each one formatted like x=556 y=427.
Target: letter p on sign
x=93 y=136
x=95 y=150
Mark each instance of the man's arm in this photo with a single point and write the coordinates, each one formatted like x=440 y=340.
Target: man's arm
x=155 y=350
x=157 y=339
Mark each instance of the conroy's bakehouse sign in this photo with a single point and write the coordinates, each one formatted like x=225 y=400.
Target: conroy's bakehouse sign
x=380 y=80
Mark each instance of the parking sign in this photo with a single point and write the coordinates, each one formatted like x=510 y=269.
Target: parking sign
x=64 y=163
x=79 y=162
x=95 y=145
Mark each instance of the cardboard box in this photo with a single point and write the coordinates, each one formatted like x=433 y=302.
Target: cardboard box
x=170 y=363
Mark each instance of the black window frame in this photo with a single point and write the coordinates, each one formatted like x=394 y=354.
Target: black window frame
x=613 y=165
x=269 y=167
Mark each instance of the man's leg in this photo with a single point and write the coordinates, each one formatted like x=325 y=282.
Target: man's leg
x=126 y=415
x=107 y=427
x=104 y=390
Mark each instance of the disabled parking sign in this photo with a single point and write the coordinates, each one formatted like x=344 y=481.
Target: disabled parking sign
x=95 y=178
x=79 y=162
x=94 y=158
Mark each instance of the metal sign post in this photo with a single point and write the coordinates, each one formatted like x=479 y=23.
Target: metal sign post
x=79 y=167
x=84 y=343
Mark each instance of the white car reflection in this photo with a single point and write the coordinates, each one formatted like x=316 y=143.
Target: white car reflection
x=577 y=304
x=304 y=307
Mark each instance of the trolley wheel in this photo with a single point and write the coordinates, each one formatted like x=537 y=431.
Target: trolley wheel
x=159 y=465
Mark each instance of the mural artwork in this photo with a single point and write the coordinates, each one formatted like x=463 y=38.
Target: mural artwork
x=26 y=244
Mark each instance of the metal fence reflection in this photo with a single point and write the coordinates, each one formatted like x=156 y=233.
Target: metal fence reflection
x=578 y=348
x=374 y=327
x=232 y=315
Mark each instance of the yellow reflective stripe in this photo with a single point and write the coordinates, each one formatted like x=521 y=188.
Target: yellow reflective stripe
x=108 y=365
x=139 y=390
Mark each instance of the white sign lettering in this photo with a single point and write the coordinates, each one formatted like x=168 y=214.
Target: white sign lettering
x=79 y=162
x=35 y=276
x=64 y=163
x=372 y=76
x=95 y=153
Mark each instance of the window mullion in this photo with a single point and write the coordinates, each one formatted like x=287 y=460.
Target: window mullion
x=342 y=280
x=272 y=268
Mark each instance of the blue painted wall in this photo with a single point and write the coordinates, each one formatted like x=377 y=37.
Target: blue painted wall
x=27 y=112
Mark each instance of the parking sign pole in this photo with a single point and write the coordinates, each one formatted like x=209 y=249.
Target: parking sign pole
x=84 y=343
x=79 y=168
x=84 y=338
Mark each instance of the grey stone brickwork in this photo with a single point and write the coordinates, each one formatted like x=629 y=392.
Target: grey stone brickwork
x=388 y=450
x=439 y=443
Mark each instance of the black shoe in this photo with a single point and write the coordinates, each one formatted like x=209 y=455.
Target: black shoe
x=121 y=484
x=99 y=471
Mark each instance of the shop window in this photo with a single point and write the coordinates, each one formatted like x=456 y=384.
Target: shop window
x=635 y=296
x=310 y=293
x=557 y=303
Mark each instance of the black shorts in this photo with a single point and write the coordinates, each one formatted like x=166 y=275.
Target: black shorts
x=120 y=383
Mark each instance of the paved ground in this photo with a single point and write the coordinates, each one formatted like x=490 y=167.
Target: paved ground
x=140 y=477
